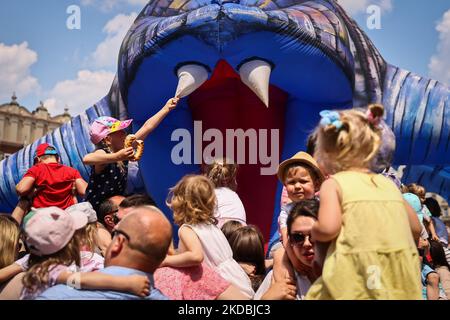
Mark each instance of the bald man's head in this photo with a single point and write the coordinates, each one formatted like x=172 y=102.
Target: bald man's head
x=150 y=232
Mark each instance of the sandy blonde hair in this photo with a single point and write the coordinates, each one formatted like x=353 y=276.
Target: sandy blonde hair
x=222 y=173
x=9 y=240
x=355 y=144
x=36 y=278
x=88 y=236
x=193 y=200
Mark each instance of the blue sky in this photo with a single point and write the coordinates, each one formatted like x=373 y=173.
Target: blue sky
x=43 y=60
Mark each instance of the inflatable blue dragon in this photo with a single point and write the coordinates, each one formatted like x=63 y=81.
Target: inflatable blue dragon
x=267 y=65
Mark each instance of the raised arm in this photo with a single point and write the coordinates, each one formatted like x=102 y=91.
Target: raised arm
x=80 y=186
x=22 y=208
x=152 y=123
x=25 y=186
x=192 y=256
x=328 y=226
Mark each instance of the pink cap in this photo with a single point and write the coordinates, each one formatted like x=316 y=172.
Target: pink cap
x=86 y=208
x=49 y=230
x=103 y=126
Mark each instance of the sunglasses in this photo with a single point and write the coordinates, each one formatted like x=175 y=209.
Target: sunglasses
x=299 y=238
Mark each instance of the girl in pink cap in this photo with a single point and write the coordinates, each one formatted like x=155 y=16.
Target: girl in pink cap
x=110 y=159
x=54 y=240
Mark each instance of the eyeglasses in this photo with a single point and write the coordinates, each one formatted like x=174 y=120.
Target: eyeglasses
x=115 y=216
x=117 y=231
x=299 y=238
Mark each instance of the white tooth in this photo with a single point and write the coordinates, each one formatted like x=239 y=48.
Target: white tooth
x=190 y=78
x=256 y=75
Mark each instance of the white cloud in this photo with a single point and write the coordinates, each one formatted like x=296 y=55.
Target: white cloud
x=80 y=93
x=108 y=5
x=15 y=63
x=439 y=66
x=360 y=6
x=107 y=51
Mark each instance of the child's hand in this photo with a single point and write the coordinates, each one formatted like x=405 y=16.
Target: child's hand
x=124 y=154
x=282 y=290
x=165 y=262
x=249 y=268
x=435 y=237
x=139 y=285
x=171 y=104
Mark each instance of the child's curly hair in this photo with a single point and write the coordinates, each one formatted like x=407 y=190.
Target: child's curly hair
x=193 y=201
x=354 y=144
x=37 y=276
x=222 y=173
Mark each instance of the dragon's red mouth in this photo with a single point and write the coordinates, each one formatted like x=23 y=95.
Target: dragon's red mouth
x=224 y=102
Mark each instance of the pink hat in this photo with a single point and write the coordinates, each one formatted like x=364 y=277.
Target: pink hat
x=86 y=208
x=49 y=230
x=103 y=126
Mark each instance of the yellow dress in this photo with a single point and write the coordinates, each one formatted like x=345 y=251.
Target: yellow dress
x=374 y=256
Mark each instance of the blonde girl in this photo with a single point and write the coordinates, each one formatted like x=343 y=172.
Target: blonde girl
x=95 y=240
x=372 y=254
x=193 y=202
x=9 y=240
x=110 y=159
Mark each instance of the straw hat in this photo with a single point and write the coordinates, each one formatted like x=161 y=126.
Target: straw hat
x=302 y=158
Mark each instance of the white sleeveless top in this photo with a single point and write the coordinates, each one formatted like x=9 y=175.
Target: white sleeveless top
x=219 y=256
x=229 y=207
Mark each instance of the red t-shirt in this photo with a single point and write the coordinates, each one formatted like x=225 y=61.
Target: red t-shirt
x=55 y=182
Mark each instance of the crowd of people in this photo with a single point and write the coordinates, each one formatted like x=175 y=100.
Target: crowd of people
x=346 y=229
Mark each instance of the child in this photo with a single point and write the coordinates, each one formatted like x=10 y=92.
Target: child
x=229 y=205
x=247 y=244
x=95 y=240
x=435 y=210
x=55 y=256
x=193 y=202
x=302 y=178
x=372 y=254
x=49 y=183
x=110 y=161
x=425 y=214
x=416 y=205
